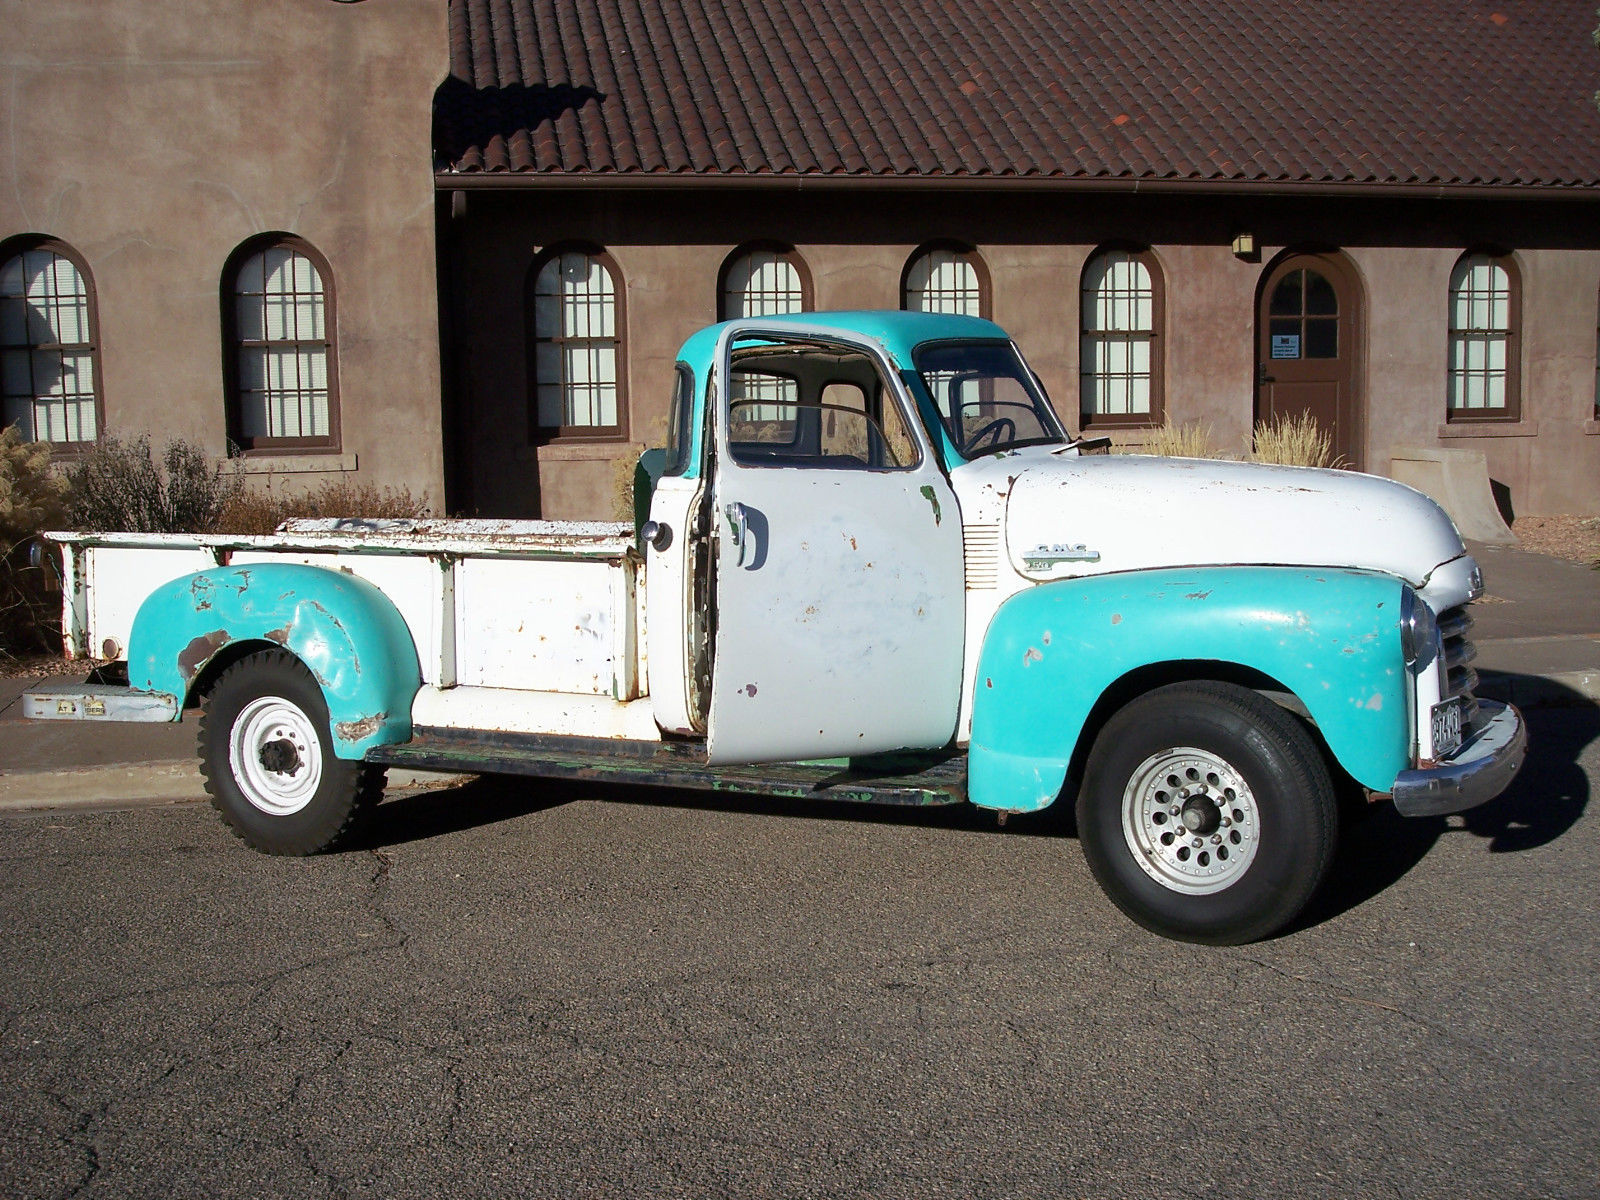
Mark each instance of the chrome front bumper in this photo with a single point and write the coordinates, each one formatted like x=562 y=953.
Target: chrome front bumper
x=1479 y=771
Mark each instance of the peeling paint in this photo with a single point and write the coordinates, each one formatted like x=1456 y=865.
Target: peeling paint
x=1031 y=655
x=1196 y=595
x=749 y=689
x=198 y=652
x=281 y=636
x=1375 y=704
x=928 y=494
x=354 y=731
x=1116 y=618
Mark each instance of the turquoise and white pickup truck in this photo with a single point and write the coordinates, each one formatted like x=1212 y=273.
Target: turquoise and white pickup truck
x=872 y=565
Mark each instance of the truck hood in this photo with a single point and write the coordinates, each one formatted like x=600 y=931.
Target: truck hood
x=1067 y=516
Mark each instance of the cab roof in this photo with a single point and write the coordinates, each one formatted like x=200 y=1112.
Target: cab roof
x=898 y=332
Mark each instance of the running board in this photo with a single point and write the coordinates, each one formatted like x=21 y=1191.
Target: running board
x=919 y=778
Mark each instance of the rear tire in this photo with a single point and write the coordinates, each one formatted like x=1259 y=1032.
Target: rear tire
x=1207 y=814
x=268 y=761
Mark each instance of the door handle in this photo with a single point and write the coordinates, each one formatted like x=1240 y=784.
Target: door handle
x=1262 y=376
x=739 y=527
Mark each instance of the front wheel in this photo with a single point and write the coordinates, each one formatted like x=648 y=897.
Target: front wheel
x=268 y=760
x=1206 y=813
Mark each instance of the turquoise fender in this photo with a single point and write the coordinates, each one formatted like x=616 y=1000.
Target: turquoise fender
x=1330 y=637
x=346 y=631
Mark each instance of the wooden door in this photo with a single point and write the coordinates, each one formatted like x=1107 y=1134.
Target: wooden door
x=1306 y=348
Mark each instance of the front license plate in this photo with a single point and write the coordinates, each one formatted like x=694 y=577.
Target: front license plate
x=1446 y=728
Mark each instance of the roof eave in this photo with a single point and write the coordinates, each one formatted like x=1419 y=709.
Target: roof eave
x=450 y=181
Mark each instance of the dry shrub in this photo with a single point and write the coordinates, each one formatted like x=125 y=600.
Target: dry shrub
x=117 y=487
x=1192 y=440
x=263 y=510
x=32 y=499
x=1296 y=441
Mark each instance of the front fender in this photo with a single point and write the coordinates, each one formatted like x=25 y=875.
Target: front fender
x=345 y=630
x=1331 y=637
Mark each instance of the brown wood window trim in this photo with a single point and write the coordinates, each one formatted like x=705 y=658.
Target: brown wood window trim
x=960 y=250
x=1154 y=372
x=559 y=343
x=778 y=250
x=238 y=348
x=18 y=248
x=1510 y=336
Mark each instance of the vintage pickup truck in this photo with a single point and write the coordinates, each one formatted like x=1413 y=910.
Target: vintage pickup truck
x=870 y=564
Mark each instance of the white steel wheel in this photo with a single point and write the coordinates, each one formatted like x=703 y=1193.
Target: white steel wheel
x=275 y=756
x=1190 y=820
x=267 y=756
x=1206 y=813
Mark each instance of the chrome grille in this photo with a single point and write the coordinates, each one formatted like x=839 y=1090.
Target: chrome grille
x=982 y=544
x=1461 y=679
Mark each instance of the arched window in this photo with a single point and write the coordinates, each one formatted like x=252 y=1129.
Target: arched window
x=283 y=374
x=1120 y=326
x=1485 y=322
x=945 y=278
x=763 y=281
x=48 y=343
x=575 y=313
x=760 y=281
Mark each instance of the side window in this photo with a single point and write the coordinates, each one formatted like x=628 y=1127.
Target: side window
x=1485 y=323
x=680 y=437
x=48 y=344
x=283 y=379
x=837 y=413
x=763 y=280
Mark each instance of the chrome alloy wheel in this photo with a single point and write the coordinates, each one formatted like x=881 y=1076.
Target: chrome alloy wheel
x=1190 y=820
x=276 y=756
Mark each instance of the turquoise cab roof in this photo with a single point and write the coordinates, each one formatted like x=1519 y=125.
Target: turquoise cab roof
x=898 y=332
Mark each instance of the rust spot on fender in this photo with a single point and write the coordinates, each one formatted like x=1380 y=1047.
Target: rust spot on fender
x=281 y=636
x=1116 y=618
x=198 y=652
x=749 y=689
x=1197 y=595
x=1031 y=655
x=354 y=731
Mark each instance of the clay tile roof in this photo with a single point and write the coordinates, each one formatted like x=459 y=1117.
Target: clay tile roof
x=1496 y=93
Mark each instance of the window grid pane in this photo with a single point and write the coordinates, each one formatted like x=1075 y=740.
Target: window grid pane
x=575 y=344
x=763 y=283
x=1480 y=328
x=944 y=281
x=283 y=350
x=1118 y=307
x=46 y=347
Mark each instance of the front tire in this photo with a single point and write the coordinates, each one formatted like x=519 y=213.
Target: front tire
x=1207 y=814
x=268 y=761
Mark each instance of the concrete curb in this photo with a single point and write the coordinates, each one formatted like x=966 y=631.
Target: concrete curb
x=138 y=785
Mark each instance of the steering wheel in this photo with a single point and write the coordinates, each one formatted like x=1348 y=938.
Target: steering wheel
x=990 y=433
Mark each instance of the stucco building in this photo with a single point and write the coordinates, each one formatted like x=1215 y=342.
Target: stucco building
x=1185 y=213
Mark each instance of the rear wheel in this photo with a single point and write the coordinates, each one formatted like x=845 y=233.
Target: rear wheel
x=1206 y=813
x=268 y=760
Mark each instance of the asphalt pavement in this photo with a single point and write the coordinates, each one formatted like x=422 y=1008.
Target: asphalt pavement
x=1537 y=631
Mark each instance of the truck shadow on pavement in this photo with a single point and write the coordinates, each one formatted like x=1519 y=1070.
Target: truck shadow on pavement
x=1376 y=850
x=1546 y=799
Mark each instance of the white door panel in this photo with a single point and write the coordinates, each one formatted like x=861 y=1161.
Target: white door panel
x=839 y=619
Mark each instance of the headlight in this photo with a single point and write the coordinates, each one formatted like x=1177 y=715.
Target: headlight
x=1419 y=632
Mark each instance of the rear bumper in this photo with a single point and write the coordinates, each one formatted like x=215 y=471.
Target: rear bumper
x=67 y=701
x=1478 y=772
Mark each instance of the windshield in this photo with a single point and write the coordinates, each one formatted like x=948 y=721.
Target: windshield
x=987 y=398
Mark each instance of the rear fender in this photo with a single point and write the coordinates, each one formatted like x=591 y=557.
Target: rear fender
x=1330 y=637
x=346 y=631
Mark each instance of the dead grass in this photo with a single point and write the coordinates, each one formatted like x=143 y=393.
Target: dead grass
x=1192 y=440
x=1296 y=441
x=263 y=510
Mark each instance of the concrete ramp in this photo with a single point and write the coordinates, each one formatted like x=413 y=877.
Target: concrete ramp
x=1458 y=481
